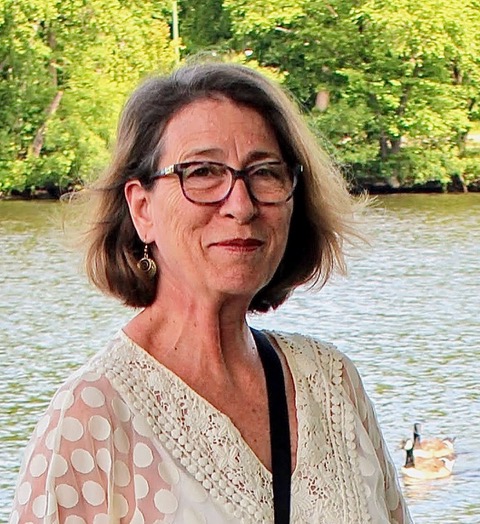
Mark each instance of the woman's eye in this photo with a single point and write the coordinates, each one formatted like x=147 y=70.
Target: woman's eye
x=199 y=171
x=266 y=172
x=204 y=170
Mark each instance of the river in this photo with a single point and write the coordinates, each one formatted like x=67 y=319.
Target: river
x=407 y=314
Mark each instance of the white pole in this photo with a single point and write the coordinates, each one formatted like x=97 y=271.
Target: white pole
x=176 y=40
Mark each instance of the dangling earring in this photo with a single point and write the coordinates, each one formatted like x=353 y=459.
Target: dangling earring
x=146 y=264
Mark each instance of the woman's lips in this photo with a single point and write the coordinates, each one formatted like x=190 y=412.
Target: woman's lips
x=243 y=244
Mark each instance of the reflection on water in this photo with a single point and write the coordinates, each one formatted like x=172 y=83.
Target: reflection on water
x=407 y=315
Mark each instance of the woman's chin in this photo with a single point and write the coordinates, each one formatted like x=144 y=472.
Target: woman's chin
x=240 y=288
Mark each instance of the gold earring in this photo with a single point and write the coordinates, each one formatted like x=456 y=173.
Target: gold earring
x=146 y=264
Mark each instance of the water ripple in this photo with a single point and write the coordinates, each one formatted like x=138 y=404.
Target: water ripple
x=407 y=315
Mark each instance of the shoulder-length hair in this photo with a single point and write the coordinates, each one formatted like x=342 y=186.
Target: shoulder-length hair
x=323 y=212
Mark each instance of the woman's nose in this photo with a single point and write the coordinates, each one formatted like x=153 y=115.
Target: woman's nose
x=239 y=204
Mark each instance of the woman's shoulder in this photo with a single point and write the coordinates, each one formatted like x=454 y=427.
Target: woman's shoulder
x=90 y=382
x=307 y=346
x=115 y=354
x=311 y=356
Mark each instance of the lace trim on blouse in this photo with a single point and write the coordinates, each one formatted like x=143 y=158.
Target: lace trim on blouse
x=201 y=438
x=336 y=457
x=79 y=463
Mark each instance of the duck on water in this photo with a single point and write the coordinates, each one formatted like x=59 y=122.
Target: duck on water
x=430 y=447
x=426 y=468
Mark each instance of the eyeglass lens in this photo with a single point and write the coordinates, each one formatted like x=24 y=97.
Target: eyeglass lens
x=211 y=182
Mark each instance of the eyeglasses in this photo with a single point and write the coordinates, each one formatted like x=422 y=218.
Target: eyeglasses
x=212 y=182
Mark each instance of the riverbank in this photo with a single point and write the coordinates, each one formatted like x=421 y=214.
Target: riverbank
x=372 y=187
x=388 y=187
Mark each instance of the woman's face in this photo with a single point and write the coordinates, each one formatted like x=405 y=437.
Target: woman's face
x=227 y=249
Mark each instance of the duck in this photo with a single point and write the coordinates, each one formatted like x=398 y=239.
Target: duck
x=431 y=447
x=426 y=468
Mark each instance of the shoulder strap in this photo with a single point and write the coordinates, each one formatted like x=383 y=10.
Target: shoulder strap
x=279 y=427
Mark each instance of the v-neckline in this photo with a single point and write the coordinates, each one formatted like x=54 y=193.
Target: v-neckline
x=217 y=412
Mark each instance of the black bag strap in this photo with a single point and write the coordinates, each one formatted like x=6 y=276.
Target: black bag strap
x=279 y=427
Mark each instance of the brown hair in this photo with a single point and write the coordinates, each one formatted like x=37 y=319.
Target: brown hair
x=323 y=211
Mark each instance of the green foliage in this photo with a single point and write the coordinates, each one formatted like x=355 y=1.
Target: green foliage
x=470 y=168
x=203 y=25
x=87 y=57
x=402 y=79
x=419 y=165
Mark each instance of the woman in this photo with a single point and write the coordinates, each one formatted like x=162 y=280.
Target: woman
x=217 y=203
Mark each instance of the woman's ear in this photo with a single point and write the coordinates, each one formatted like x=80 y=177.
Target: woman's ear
x=139 y=205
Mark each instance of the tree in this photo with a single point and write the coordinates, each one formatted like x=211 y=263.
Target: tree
x=402 y=78
x=66 y=68
x=204 y=25
x=393 y=87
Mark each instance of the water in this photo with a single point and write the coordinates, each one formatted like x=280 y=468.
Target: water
x=407 y=315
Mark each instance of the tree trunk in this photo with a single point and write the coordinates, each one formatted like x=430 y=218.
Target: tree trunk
x=39 y=139
x=52 y=66
x=384 y=149
x=396 y=145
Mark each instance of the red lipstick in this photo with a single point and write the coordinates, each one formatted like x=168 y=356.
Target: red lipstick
x=244 y=244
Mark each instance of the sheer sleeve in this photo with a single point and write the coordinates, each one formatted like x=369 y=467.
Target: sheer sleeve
x=91 y=460
x=399 y=513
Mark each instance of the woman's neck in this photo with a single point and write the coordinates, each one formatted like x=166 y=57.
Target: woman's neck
x=196 y=334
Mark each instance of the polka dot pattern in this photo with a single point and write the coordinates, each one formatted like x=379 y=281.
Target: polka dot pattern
x=141 y=426
x=59 y=466
x=24 y=492
x=101 y=518
x=121 y=440
x=39 y=506
x=82 y=461
x=121 y=473
x=124 y=441
x=38 y=465
x=67 y=496
x=141 y=487
x=104 y=460
x=75 y=519
x=91 y=376
x=72 y=429
x=120 y=505
x=121 y=410
x=93 y=397
x=88 y=444
x=63 y=400
x=142 y=455
x=367 y=467
x=137 y=518
x=43 y=425
x=99 y=427
x=93 y=493
x=50 y=440
x=165 y=501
